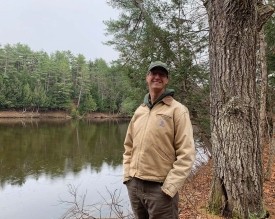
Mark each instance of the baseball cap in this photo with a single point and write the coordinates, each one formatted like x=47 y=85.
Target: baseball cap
x=158 y=64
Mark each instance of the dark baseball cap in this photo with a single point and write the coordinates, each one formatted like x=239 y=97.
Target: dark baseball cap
x=158 y=64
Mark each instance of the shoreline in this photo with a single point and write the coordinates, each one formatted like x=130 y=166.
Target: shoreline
x=58 y=114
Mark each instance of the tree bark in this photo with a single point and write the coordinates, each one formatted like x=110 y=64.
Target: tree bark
x=263 y=133
x=237 y=188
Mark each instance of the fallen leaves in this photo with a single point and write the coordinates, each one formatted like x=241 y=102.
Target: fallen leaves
x=194 y=194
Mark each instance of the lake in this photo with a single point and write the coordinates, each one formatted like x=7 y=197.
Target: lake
x=42 y=160
x=48 y=166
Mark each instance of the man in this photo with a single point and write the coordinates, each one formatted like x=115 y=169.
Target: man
x=159 y=150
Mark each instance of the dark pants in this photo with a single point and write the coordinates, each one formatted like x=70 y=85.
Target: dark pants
x=148 y=201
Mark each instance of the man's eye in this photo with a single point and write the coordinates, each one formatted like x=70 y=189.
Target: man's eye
x=161 y=74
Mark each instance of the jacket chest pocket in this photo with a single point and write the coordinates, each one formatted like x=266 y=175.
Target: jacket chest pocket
x=163 y=120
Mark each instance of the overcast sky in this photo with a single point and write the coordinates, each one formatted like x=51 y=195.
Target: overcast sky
x=51 y=25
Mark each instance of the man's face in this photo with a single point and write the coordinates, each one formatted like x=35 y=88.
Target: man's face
x=157 y=79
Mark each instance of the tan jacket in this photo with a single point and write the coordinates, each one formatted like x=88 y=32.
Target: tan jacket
x=159 y=145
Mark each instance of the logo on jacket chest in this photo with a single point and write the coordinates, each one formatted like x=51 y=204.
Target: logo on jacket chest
x=161 y=123
x=163 y=120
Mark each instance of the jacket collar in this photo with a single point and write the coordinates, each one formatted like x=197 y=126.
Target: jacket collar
x=166 y=98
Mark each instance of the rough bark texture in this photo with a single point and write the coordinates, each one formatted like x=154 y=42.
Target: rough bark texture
x=263 y=133
x=237 y=181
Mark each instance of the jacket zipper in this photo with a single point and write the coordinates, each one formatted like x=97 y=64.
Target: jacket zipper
x=141 y=142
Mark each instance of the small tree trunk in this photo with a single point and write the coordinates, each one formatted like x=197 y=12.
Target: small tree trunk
x=263 y=89
x=271 y=153
x=79 y=97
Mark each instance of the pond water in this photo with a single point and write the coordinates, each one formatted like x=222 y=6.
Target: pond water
x=47 y=166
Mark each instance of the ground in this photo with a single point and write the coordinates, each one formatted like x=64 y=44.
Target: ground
x=195 y=193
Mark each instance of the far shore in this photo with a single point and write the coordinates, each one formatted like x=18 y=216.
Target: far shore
x=55 y=114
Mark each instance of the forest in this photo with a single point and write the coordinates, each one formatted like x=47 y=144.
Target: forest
x=36 y=81
x=224 y=72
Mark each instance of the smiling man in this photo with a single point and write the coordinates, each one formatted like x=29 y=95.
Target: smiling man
x=159 y=149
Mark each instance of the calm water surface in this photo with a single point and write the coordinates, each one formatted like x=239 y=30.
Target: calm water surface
x=40 y=161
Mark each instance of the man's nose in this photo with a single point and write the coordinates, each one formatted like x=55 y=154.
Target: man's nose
x=158 y=75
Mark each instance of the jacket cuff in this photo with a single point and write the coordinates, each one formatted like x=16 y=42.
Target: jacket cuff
x=169 y=190
x=126 y=179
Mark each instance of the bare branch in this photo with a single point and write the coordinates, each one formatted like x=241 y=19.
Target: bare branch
x=79 y=210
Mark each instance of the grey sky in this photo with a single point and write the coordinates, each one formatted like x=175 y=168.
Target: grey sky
x=51 y=25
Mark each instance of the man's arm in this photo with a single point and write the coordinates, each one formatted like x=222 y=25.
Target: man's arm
x=185 y=154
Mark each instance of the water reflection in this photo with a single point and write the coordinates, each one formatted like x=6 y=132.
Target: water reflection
x=58 y=148
x=39 y=159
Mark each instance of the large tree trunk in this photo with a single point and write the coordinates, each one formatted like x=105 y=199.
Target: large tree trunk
x=237 y=189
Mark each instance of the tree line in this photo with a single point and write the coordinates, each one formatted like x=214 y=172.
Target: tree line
x=36 y=80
